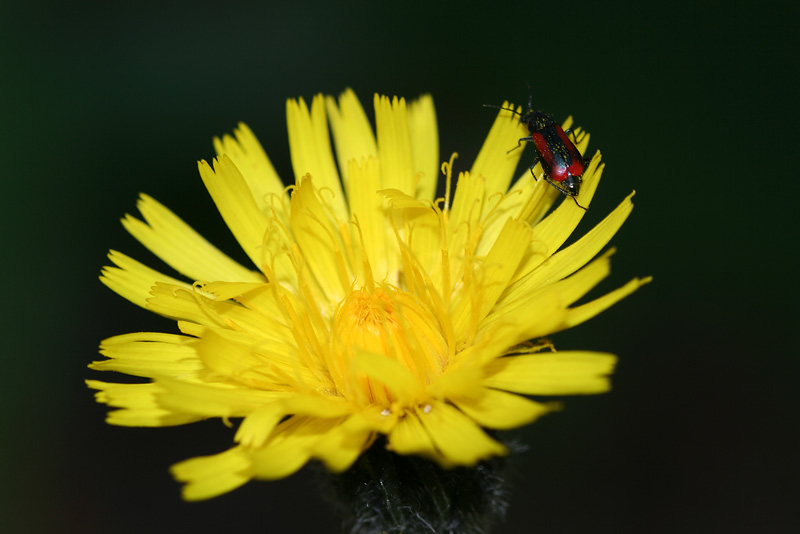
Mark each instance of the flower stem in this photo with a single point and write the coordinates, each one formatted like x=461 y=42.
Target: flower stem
x=387 y=493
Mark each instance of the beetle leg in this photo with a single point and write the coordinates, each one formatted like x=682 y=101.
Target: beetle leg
x=519 y=143
x=566 y=192
x=535 y=161
x=576 y=202
x=571 y=131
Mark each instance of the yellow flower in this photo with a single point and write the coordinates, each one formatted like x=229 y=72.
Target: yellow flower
x=375 y=308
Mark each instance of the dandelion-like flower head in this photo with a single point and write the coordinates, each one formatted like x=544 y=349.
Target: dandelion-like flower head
x=374 y=309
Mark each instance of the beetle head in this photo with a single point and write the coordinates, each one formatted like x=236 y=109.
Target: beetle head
x=572 y=185
x=536 y=120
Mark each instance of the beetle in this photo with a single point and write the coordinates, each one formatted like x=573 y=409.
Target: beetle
x=562 y=162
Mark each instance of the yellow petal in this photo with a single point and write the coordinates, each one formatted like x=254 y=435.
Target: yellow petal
x=232 y=290
x=209 y=476
x=249 y=156
x=394 y=145
x=183 y=249
x=180 y=302
x=398 y=380
x=139 y=405
x=535 y=272
x=507 y=326
x=235 y=203
x=125 y=395
x=259 y=424
x=460 y=376
x=456 y=436
x=255 y=363
x=580 y=283
x=502 y=261
x=569 y=290
x=577 y=315
x=367 y=207
x=403 y=201
x=323 y=407
x=149 y=354
x=352 y=134
x=125 y=341
x=464 y=217
x=418 y=227
x=192 y=305
x=290 y=446
x=424 y=135
x=557 y=373
x=148 y=345
x=410 y=437
x=310 y=147
x=341 y=446
x=260 y=298
x=480 y=295
x=494 y=162
x=133 y=280
x=216 y=399
x=528 y=199
x=372 y=419
x=424 y=240
x=496 y=409
x=319 y=241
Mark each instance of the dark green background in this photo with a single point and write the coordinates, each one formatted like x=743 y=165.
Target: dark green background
x=692 y=107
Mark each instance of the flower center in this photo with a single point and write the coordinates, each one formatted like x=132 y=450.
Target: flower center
x=368 y=320
x=391 y=323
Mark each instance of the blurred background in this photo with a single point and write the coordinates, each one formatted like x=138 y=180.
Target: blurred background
x=693 y=107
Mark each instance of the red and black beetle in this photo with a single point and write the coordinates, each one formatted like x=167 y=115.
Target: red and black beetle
x=562 y=162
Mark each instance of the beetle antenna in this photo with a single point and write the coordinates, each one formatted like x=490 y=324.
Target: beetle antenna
x=514 y=111
x=530 y=95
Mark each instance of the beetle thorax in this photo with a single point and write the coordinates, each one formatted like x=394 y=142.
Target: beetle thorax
x=536 y=120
